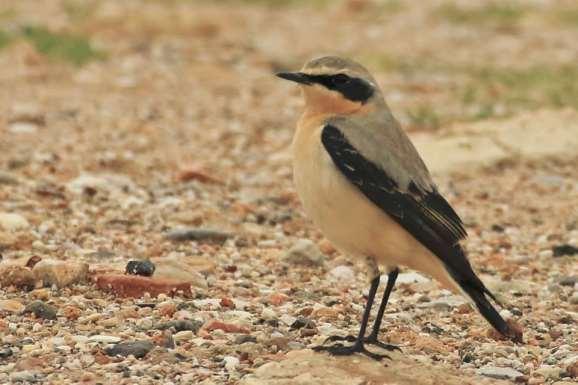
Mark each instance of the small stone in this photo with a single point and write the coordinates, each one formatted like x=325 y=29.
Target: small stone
x=226 y=327
x=572 y=369
x=23 y=376
x=568 y=281
x=41 y=310
x=231 y=363
x=136 y=286
x=549 y=372
x=303 y=322
x=13 y=222
x=245 y=338
x=277 y=299
x=342 y=274
x=185 y=335
x=175 y=269
x=574 y=298
x=60 y=273
x=6 y=352
x=304 y=252
x=138 y=349
x=144 y=268
x=11 y=306
x=181 y=325
x=104 y=339
x=562 y=250
x=23 y=127
x=500 y=373
x=198 y=235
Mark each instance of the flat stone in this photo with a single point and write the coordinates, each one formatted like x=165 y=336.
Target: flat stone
x=138 y=349
x=304 y=252
x=540 y=134
x=60 y=273
x=307 y=367
x=500 y=373
x=458 y=152
x=13 y=222
x=99 y=338
x=11 y=306
x=136 y=286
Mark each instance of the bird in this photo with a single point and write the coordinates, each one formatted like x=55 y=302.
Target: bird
x=364 y=185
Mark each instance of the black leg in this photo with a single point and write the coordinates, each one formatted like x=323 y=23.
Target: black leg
x=357 y=347
x=372 y=338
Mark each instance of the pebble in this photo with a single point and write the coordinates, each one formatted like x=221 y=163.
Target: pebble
x=574 y=298
x=13 y=222
x=304 y=252
x=231 y=363
x=185 y=335
x=144 y=268
x=568 y=281
x=199 y=235
x=10 y=305
x=549 y=372
x=562 y=250
x=138 y=349
x=342 y=274
x=60 y=273
x=104 y=339
x=500 y=373
x=245 y=338
x=41 y=310
x=23 y=376
x=182 y=325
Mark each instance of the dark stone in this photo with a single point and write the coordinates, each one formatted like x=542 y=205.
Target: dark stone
x=181 y=325
x=245 y=338
x=41 y=310
x=568 y=281
x=303 y=322
x=6 y=352
x=562 y=250
x=144 y=268
x=199 y=235
x=138 y=349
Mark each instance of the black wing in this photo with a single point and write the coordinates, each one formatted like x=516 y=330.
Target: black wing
x=424 y=214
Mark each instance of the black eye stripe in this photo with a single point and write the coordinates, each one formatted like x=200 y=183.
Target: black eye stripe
x=356 y=89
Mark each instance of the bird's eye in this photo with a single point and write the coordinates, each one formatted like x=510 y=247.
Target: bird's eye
x=340 y=79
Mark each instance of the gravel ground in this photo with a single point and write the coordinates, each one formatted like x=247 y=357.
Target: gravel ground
x=172 y=147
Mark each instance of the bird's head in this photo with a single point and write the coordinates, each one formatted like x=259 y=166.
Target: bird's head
x=335 y=85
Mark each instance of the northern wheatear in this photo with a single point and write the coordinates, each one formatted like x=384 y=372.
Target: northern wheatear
x=365 y=186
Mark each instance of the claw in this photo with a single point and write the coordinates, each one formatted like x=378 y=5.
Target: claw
x=370 y=340
x=342 y=350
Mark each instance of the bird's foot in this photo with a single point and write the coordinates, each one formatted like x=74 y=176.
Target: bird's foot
x=342 y=350
x=369 y=340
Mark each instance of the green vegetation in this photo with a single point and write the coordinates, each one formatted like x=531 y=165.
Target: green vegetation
x=5 y=39
x=501 y=14
x=73 y=49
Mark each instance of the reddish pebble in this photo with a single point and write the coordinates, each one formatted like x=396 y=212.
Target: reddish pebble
x=167 y=309
x=227 y=303
x=228 y=328
x=136 y=286
x=277 y=299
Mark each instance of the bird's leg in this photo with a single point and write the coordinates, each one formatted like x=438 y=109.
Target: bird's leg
x=358 y=345
x=372 y=338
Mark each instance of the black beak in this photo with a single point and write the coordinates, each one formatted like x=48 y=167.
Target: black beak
x=297 y=77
